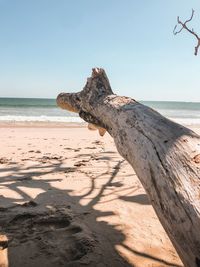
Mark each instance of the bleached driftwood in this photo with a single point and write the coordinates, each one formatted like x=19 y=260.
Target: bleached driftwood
x=164 y=155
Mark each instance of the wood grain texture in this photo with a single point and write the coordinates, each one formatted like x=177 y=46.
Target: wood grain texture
x=164 y=154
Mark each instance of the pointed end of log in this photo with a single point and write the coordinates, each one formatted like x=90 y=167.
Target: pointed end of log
x=68 y=102
x=97 y=72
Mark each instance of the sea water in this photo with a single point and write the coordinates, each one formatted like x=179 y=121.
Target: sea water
x=34 y=109
x=46 y=110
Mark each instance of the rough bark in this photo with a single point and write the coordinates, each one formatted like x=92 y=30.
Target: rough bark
x=164 y=155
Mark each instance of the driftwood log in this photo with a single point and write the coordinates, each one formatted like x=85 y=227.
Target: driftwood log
x=164 y=155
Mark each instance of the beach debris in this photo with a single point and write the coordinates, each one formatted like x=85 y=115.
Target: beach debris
x=79 y=164
x=4 y=160
x=97 y=142
x=47 y=159
x=69 y=169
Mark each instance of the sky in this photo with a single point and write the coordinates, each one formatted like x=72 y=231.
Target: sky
x=50 y=46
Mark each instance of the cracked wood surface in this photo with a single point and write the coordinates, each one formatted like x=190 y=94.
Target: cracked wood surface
x=164 y=154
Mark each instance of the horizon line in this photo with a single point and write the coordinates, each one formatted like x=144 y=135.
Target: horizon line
x=48 y=98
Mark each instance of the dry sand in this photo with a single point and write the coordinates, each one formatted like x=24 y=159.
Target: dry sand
x=68 y=199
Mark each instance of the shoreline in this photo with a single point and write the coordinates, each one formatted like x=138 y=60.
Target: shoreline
x=37 y=124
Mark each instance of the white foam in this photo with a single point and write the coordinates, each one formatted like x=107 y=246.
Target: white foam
x=187 y=121
x=19 y=118
x=12 y=118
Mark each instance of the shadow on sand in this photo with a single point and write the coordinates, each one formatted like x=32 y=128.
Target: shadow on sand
x=54 y=229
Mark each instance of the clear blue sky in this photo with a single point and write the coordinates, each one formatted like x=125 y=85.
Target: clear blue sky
x=49 y=46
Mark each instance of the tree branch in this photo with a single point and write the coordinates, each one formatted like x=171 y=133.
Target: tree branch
x=184 y=26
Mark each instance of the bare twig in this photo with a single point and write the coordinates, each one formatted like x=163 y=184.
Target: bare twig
x=184 y=26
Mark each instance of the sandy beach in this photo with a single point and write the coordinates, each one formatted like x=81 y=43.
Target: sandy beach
x=67 y=198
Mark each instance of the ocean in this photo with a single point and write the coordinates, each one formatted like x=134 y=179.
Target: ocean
x=45 y=110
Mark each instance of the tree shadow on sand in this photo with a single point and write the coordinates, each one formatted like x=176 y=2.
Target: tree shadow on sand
x=54 y=228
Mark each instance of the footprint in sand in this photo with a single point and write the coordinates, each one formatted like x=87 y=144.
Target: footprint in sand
x=53 y=236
